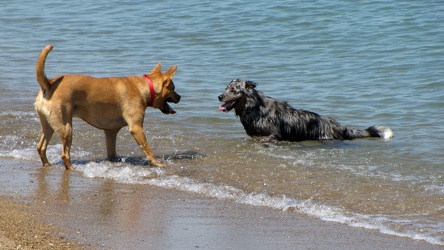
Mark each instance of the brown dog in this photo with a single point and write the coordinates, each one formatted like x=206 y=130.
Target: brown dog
x=105 y=103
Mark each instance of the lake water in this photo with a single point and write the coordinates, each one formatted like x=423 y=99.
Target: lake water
x=361 y=62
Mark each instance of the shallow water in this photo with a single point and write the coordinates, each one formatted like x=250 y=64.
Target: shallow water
x=374 y=63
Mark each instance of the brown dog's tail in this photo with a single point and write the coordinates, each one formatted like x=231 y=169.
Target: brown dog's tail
x=40 y=69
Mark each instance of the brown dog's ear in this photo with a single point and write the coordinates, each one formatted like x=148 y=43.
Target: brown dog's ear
x=157 y=69
x=171 y=71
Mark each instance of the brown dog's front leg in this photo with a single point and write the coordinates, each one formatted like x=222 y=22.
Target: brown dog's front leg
x=111 y=137
x=138 y=134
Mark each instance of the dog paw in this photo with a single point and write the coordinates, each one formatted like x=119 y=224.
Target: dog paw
x=46 y=165
x=158 y=164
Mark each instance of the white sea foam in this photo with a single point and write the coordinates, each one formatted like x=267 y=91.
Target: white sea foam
x=30 y=154
x=23 y=154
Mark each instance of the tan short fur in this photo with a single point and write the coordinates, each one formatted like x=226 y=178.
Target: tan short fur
x=105 y=103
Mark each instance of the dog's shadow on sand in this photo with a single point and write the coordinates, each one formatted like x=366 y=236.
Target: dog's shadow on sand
x=142 y=161
x=187 y=155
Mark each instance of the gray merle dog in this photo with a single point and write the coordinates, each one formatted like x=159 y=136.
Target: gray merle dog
x=268 y=119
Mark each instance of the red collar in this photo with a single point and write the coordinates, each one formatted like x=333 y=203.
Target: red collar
x=151 y=87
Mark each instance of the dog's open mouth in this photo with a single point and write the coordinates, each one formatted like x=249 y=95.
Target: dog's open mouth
x=166 y=109
x=169 y=109
x=227 y=106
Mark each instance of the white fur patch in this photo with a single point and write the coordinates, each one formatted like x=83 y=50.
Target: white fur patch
x=388 y=133
x=41 y=105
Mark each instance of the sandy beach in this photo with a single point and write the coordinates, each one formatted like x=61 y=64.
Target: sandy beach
x=54 y=209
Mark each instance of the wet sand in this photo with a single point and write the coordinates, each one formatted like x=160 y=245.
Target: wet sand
x=55 y=209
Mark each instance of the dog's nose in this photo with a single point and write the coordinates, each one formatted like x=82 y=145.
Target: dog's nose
x=177 y=98
x=221 y=97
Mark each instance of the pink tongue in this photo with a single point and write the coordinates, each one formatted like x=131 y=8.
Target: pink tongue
x=170 y=110
x=224 y=106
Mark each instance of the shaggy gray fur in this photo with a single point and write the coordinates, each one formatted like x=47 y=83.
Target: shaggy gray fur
x=269 y=119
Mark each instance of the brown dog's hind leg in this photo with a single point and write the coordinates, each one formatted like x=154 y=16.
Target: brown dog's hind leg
x=66 y=135
x=62 y=123
x=111 y=137
x=47 y=133
x=138 y=134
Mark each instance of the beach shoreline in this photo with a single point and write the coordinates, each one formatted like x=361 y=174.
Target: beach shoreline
x=377 y=63
x=79 y=213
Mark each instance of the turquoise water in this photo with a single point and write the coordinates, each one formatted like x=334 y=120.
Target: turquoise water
x=361 y=62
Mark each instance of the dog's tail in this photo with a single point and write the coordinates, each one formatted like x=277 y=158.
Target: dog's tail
x=373 y=131
x=40 y=69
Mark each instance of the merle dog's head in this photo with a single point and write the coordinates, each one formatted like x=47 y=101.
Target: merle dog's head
x=235 y=94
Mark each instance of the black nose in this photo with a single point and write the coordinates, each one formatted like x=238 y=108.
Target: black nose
x=221 y=97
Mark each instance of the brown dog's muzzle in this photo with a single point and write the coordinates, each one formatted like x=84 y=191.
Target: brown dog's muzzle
x=166 y=108
x=176 y=98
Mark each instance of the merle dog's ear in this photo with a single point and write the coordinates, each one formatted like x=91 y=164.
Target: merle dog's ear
x=250 y=85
